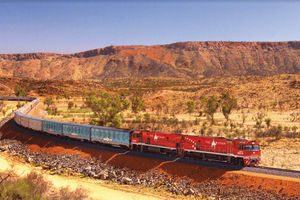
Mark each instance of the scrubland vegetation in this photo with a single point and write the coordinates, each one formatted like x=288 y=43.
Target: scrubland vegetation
x=7 y=107
x=252 y=107
x=215 y=115
x=34 y=187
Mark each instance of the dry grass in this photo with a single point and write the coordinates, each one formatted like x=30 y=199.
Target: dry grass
x=283 y=153
x=8 y=106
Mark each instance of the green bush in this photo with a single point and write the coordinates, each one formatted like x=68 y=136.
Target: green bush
x=52 y=111
x=19 y=105
x=147 y=117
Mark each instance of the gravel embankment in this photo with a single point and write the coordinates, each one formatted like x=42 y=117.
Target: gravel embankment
x=91 y=167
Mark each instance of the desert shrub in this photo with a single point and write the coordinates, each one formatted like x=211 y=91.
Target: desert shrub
x=274 y=132
x=259 y=118
x=66 y=194
x=4 y=112
x=200 y=113
x=196 y=122
x=19 y=105
x=34 y=187
x=137 y=104
x=191 y=106
x=67 y=95
x=294 y=129
x=147 y=117
x=48 y=101
x=203 y=129
x=52 y=110
x=178 y=131
x=70 y=105
x=232 y=125
x=259 y=133
x=20 y=91
x=291 y=134
x=138 y=118
x=268 y=122
x=286 y=128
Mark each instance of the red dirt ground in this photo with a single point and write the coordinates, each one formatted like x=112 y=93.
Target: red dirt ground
x=282 y=185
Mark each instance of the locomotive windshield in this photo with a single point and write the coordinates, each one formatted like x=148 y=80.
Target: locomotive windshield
x=251 y=148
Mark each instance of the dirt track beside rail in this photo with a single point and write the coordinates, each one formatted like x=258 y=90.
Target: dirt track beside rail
x=254 y=181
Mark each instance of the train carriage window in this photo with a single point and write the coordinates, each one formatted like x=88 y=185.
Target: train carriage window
x=255 y=147
x=251 y=148
x=248 y=147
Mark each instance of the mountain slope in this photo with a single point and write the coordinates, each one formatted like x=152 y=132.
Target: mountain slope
x=180 y=60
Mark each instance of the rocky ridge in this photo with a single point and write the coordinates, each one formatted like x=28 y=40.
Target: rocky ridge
x=179 y=60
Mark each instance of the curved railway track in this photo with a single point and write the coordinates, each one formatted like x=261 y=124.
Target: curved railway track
x=12 y=126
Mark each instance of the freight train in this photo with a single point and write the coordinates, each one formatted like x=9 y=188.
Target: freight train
x=237 y=151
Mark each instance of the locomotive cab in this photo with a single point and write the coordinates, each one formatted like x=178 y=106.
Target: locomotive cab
x=250 y=151
x=135 y=136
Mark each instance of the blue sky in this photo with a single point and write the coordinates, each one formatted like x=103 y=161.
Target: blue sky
x=74 y=26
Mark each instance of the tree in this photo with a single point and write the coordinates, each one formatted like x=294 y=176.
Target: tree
x=191 y=106
x=106 y=107
x=20 y=91
x=48 y=101
x=137 y=104
x=70 y=105
x=210 y=105
x=228 y=102
x=67 y=95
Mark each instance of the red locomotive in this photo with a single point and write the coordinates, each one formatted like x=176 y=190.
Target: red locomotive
x=237 y=151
